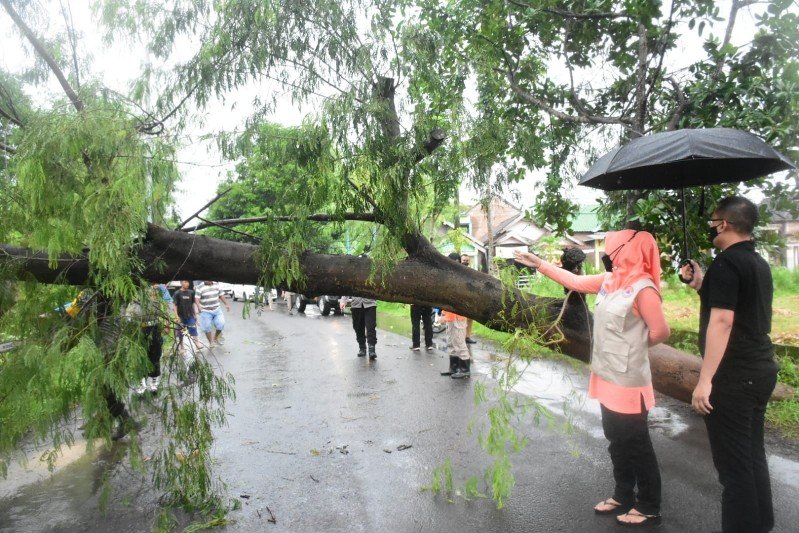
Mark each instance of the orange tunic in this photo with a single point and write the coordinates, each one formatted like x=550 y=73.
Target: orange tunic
x=617 y=398
x=449 y=316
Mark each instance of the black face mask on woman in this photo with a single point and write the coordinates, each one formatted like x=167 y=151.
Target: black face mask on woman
x=607 y=259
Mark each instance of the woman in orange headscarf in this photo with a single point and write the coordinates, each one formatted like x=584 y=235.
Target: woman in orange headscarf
x=628 y=318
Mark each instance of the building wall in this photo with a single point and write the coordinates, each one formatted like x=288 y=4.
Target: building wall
x=500 y=213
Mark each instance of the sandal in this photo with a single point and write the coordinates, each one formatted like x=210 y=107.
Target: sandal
x=616 y=507
x=649 y=519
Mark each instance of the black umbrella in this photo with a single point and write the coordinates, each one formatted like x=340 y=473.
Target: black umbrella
x=685 y=158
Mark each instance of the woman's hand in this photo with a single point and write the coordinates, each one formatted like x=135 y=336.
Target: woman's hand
x=527 y=258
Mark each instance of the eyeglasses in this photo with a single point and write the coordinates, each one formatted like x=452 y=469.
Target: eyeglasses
x=711 y=220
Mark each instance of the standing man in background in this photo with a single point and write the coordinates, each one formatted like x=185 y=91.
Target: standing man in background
x=466 y=261
x=738 y=371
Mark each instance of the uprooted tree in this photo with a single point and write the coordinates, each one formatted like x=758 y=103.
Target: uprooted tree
x=87 y=181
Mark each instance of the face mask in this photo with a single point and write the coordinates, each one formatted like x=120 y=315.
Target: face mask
x=608 y=262
x=712 y=233
x=607 y=259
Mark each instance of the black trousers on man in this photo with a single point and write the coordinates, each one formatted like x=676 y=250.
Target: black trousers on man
x=425 y=314
x=735 y=431
x=155 y=346
x=634 y=460
x=364 y=322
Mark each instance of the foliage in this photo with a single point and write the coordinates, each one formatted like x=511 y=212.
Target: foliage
x=79 y=177
x=565 y=81
x=383 y=76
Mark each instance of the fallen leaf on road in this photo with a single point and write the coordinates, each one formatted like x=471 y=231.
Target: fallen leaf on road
x=386 y=450
x=315 y=452
x=404 y=447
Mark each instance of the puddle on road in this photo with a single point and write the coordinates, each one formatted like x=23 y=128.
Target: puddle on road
x=35 y=500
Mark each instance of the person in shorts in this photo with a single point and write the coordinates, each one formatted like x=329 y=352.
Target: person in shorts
x=212 y=321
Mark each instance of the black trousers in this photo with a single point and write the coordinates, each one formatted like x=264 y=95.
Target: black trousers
x=364 y=322
x=425 y=314
x=115 y=406
x=155 y=345
x=634 y=460
x=735 y=431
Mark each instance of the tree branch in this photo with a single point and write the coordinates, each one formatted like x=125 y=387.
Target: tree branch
x=203 y=208
x=66 y=12
x=45 y=54
x=577 y=119
x=319 y=217
x=734 y=8
x=434 y=140
x=4 y=114
x=210 y=223
x=640 y=87
x=571 y=14
x=662 y=51
x=682 y=105
x=6 y=148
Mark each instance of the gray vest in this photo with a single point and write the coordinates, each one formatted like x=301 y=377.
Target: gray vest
x=621 y=339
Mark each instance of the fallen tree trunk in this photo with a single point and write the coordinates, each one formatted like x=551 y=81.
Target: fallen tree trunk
x=426 y=278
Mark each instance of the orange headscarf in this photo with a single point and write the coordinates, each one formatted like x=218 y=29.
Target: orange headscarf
x=639 y=258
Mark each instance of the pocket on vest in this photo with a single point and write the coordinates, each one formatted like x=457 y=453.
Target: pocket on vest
x=614 y=319
x=616 y=354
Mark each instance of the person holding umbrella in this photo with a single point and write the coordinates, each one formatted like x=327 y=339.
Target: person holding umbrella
x=738 y=371
x=628 y=319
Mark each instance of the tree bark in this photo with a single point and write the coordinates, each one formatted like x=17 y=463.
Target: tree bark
x=426 y=278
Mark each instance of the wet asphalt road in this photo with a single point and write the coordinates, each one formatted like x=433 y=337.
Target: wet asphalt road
x=310 y=432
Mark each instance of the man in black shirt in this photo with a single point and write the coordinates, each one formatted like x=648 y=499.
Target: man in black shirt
x=738 y=371
x=184 y=306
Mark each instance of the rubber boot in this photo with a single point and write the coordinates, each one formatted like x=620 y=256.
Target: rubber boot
x=453 y=366
x=362 y=351
x=372 y=352
x=464 y=369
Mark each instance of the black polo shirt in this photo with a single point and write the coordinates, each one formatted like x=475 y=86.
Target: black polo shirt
x=740 y=280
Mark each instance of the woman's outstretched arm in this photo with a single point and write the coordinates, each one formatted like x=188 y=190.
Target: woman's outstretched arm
x=573 y=282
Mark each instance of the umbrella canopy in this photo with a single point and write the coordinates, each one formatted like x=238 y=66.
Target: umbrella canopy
x=685 y=158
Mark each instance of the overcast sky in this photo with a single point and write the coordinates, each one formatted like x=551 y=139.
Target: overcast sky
x=200 y=164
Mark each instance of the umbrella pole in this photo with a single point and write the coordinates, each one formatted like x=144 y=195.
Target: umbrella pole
x=684 y=226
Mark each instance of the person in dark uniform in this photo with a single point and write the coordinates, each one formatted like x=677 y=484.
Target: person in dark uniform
x=364 y=322
x=738 y=371
x=424 y=314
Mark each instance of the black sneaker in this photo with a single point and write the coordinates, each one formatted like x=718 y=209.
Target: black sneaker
x=362 y=352
x=415 y=348
x=430 y=348
x=372 y=353
x=470 y=340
